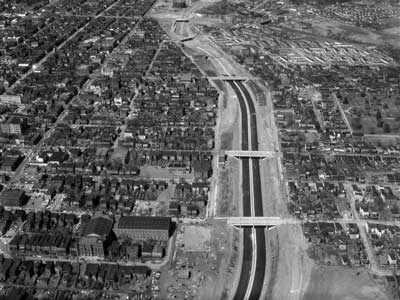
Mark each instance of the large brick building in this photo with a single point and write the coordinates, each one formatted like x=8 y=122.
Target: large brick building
x=14 y=125
x=144 y=228
x=12 y=198
x=179 y=4
x=96 y=236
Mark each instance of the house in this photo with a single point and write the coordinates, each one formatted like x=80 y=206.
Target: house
x=201 y=169
x=192 y=210
x=57 y=158
x=141 y=272
x=131 y=251
x=174 y=208
x=11 y=161
x=147 y=250
x=364 y=211
x=392 y=259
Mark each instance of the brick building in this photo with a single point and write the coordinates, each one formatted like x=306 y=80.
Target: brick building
x=96 y=236
x=14 y=125
x=12 y=198
x=144 y=228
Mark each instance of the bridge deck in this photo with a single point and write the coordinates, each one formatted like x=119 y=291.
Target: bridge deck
x=261 y=221
x=230 y=78
x=261 y=154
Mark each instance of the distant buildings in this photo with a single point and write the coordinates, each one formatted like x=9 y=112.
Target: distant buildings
x=10 y=99
x=13 y=198
x=179 y=4
x=14 y=125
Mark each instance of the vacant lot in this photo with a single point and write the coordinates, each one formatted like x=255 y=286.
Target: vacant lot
x=343 y=283
x=197 y=239
x=228 y=203
x=165 y=173
x=288 y=265
x=204 y=274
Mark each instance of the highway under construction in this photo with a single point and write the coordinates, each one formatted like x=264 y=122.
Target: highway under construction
x=254 y=244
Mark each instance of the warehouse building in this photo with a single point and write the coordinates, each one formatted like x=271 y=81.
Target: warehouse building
x=144 y=228
x=97 y=235
x=12 y=198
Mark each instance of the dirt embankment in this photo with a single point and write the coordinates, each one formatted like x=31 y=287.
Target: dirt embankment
x=229 y=194
x=288 y=263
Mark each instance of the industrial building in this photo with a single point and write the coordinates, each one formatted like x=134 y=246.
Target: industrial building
x=143 y=228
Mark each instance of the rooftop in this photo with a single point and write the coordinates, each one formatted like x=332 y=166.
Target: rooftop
x=135 y=222
x=100 y=226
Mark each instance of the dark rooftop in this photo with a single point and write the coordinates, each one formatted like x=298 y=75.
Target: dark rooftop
x=100 y=226
x=135 y=222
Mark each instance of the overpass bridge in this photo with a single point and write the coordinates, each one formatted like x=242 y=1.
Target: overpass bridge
x=261 y=221
x=189 y=38
x=253 y=154
x=231 y=78
x=275 y=221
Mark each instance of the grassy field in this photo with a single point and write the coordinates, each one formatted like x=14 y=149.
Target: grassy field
x=343 y=283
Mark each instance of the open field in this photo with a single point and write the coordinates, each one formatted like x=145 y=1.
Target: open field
x=273 y=202
x=202 y=274
x=288 y=267
x=229 y=138
x=224 y=64
x=229 y=191
x=197 y=238
x=392 y=31
x=165 y=173
x=201 y=59
x=336 y=29
x=229 y=120
x=330 y=283
x=206 y=65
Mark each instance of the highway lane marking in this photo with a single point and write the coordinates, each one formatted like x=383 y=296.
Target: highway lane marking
x=252 y=201
x=253 y=264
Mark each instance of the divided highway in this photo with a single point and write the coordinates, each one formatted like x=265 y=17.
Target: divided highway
x=251 y=281
x=247 y=244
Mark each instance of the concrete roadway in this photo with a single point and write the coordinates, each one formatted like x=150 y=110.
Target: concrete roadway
x=254 y=255
x=247 y=241
x=253 y=154
x=260 y=260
